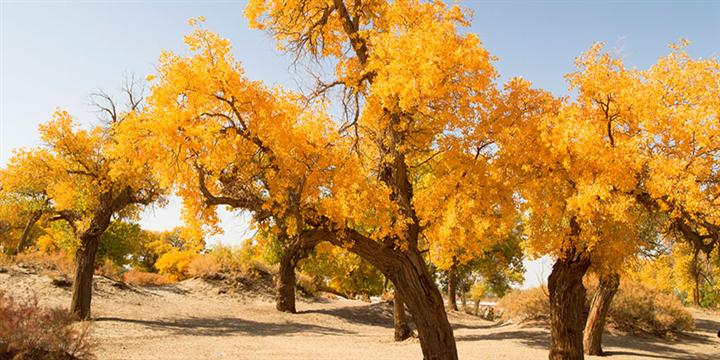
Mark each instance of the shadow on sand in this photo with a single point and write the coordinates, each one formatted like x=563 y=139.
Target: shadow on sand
x=226 y=326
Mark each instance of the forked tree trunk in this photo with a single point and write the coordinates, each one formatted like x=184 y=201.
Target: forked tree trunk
x=84 y=269
x=452 y=291
x=599 y=308
x=285 y=284
x=402 y=330
x=567 y=300
x=25 y=237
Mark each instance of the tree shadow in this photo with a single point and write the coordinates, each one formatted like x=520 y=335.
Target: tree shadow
x=377 y=314
x=226 y=326
x=709 y=326
x=653 y=347
x=489 y=325
x=535 y=339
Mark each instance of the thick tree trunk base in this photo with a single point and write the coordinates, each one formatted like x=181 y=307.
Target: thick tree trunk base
x=567 y=301
x=402 y=330
x=82 y=283
x=285 y=286
x=599 y=308
x=426 y=305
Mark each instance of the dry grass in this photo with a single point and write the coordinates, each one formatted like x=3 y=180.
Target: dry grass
x=526 y=305
x=203 y=265
x=141 y=278
x=109 y=269
x=638 y=308
x=53 y=263
x=28 y=331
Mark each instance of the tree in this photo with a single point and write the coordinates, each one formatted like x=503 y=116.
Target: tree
x=258 y=150
x=409 y=77
x=675 y=109
x=574 y=164
x=88 y=177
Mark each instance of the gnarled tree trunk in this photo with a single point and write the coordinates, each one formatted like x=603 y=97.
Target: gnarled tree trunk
x=295 y=250
x=402 y=330
x=408 y=271
x=599 y=308
x=567 y=301
x=426 y=305
x=84 y=269
x=285 y=284
x=25 y=237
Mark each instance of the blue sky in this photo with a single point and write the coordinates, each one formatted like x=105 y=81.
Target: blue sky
x=54 y=53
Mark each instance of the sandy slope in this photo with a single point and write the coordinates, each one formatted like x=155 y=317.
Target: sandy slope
x=190 y=320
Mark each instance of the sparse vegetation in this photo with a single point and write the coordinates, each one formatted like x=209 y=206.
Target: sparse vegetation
x=30 y=332
x=637 y=308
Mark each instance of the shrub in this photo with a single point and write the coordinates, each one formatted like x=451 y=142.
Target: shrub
x=635 y=308
x=478 y=291
x=639 y=308
x=306 y=284
x=175 y=263
x=109 y=269
x=141 y=278
x=231 y=259
x=28 y=331
x=526 y=305
x=53 y=262
x=203 y=265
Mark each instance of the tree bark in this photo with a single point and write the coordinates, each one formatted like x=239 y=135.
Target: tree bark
x=402 y=330
x=567 y=301
x=285 y=284
x=408 y=271
x=25 y=237
x=599 y=308
x=452 y=291
x=426 y=305
x=84 y=269
x=294 y=250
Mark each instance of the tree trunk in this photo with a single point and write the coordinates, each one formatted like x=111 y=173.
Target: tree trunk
x=477 y=306
x=402 y=330
x=463 y=295
x=294 y=250
x=84 y=269
x=25 y=237
x=599 y=307
x=567 y=301
x=408 y=272
x=697 y=296
x=451 y=286
x=426 y=305
x=285 y=284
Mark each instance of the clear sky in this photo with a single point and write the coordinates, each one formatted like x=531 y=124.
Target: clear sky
x=54 y=53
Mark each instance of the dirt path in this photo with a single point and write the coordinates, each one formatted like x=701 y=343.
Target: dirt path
x=191 y=321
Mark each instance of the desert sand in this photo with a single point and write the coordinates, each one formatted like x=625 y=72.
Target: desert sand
x=196 y=319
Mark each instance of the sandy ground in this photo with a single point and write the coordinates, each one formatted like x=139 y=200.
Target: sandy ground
x=190 y=320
